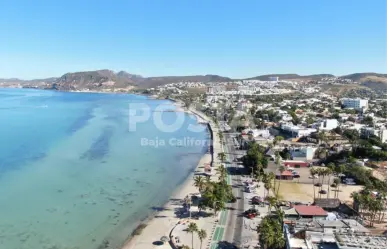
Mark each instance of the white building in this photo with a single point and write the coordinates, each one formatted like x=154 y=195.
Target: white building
x=273 y=78
x=304 y=153
x=216 y=89
x=358 y=104
x=328 y=124
x=297 y=131
x=371 y=131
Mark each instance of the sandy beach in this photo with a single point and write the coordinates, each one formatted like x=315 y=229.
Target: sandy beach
x=162 y=223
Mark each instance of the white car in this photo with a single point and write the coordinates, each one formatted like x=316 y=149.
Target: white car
x=313 y=177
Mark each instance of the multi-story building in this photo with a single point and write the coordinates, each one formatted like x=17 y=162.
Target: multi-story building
x=371 y=131
x=358 y=104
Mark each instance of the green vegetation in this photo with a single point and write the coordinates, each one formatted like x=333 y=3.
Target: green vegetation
x=254 y=160
x=192 y=228
x=215 y=195
x=270 y=233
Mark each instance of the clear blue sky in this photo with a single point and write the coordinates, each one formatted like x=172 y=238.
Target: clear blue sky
x=238 y=38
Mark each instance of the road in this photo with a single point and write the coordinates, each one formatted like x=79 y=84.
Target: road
x=233 y=232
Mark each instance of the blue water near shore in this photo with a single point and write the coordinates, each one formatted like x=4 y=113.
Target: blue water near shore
x=72 y=174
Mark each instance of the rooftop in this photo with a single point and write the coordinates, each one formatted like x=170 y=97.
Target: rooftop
x=305 y=210
x=361 y=241
x=327 y=202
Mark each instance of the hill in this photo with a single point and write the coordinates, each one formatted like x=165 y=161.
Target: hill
x=108 y=79
x=291 y=77
x=374 y=81
x=158 y=81
x=94 y=80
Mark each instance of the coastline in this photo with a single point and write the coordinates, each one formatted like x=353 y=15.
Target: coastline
x=161 y=223
x=156 y=227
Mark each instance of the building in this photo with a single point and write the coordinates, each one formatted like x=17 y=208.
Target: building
x=286 y=175
x=357 y=104
x=310 y=212
x=295 y=164
x=371 y=131
x=297 y=131
x=273 y=78
x=300 y=154
x=330 y=204
x=216 y=89
x=328 y=124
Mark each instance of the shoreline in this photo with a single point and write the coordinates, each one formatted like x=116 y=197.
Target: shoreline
x=152 y=228
x=155 y=227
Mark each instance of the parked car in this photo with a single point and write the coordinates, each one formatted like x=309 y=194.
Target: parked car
x=251 y=213
x=256 y=200
x=313 y=177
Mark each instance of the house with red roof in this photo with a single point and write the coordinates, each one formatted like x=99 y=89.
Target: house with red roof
x=310 y=212
x=286 y=175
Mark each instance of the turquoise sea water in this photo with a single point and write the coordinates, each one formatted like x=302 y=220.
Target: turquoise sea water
x=72 y=175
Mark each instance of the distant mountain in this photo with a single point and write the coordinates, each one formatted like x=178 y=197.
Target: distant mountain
x=374 y=81
x=292 y=77
x=158 y=81
x=95 y=80
x=108 y=79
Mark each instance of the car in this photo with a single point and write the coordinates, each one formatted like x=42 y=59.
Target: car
x=251 y=213
x=256 y=200
x=313 y=177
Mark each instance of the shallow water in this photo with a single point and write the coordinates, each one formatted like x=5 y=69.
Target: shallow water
x=72 y=175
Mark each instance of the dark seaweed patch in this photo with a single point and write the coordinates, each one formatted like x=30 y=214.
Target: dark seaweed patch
x=82 y=121
x=100 y=148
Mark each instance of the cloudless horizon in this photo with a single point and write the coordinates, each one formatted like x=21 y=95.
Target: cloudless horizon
x=238 y=39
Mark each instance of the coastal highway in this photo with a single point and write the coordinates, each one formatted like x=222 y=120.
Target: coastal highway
x=233 y=232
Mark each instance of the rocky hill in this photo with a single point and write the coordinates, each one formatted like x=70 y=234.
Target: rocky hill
x=374 y=81
x=94 y=80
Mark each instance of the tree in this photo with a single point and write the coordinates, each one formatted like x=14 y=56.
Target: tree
x=329 y=171
x=313 y=172
x=270 y=233
x=278 y=139
x=337 y=183
x=200 y=183
x=192 y=228
x=222 y=172
x=322 y=137
x=222 y=156
x=202 y=235
x=281 y=170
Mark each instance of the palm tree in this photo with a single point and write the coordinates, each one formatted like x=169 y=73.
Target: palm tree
x=188 y=202
x=199 y=182
x=222 y=156
x=329 y=172
x=322 y=137
x=202 y=235
x=222 y=172
x=266 y=234
x=281 y=170
x=272 y=202
x=337 y=182
x=313 y=172
x=320 y=172
x=192 y=228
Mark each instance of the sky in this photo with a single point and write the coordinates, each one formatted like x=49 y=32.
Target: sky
x=238 y=38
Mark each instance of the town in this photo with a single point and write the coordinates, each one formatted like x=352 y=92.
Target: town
x=307 y=169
